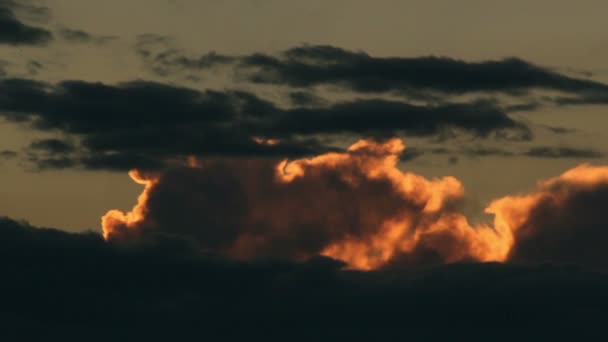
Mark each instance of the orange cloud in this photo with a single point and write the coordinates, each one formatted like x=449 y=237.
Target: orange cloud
x=357 y=206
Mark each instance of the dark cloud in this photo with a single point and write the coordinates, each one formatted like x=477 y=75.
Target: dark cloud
x=538 y=152
x=8 y=154
x=3 y=65
x=311 y=65
x=15 y=32
x=80 y=36
x=588 y=98
x=304 y=98
x=369 y=116
x=153 y=123
x=58 y=283
x=522 y=107
x=562 y=152
x=52 y=146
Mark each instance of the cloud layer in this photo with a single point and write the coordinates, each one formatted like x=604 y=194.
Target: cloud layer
x=147 y=125
x=74 y=285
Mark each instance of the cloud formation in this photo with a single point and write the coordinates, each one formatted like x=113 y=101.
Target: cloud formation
x=15 y=32
x=356 y=206
x=310 y=65
x=562 y=221
x=80 y=36
x=359 y=207
x=143 y=124
x=563 y=152
x=155 y=292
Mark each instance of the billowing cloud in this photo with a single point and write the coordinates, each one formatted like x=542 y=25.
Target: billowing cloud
x=355 y=206
x=564 y=220
x=358 y=207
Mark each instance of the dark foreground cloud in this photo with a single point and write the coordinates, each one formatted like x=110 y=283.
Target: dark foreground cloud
x=311 y=65
x=15 y=32
x=58 y=285
x=147 y=124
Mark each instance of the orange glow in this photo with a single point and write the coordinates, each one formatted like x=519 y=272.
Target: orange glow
x=114 y=219
x=512 y=212
x=263 y=141
x=367 y=211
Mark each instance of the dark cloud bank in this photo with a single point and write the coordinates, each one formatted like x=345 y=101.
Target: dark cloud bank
x=62 y=286
x=144 y=124
x=149 y=125
x=422 y=77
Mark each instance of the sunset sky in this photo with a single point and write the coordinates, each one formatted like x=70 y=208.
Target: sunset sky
x=114 y=42
x=341 y=134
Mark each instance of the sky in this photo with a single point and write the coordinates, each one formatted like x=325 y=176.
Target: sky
x=250 y=163
x=93 y=42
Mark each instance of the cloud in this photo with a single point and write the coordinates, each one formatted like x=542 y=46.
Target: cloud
x=52 y=146
x=303 y=99
x=387 y=117
x=311 y=65
x=8 y=154
x=588 y=98
x=80 y=36
x=356 y=206
x=562 y=152
x=145 y=124
x=15 y=32
x=563 y=220
x=537 y=152
x=76 y=284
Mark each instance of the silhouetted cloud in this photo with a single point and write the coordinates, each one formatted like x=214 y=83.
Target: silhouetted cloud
x=78 y=285
x=311 y=65
x=53 y=146
x=15 y=32
x=7 y=154
x=388 y=117
x=303 y=98
x=153 y=123
x=562 y=152
x=80 y=36
x=588 y=98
